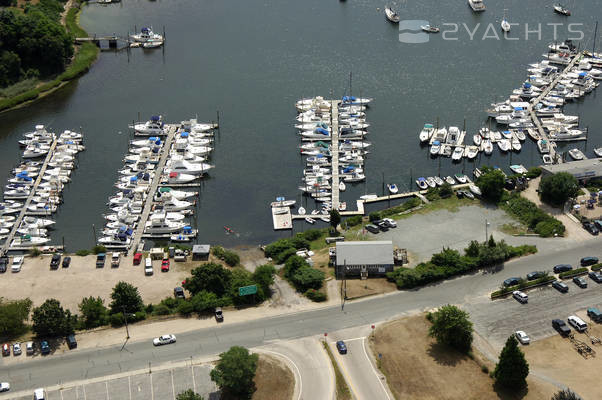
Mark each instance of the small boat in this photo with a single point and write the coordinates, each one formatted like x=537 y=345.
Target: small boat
x=438 y=181
x=518 y=169
x=449 y=179
x=547 y=159
x=325 y=218
x=392 y=188
x=471 y=152
x=475 y=189
x=342 y=186
x=487 y=147
x=431 y=182
x=477 y=173
x=435 y=148
x=477 y=139
x=516 y=146
x=426 y=133
x=598 y=151
x=421 y=182
x=505 y=24
x=543 y=146
x=429 y=28
x=281 y=202
x=468 y=195
x=391 y=15
x=28 y=241
x=476 y=5
x=368 y=196
x=576 y=154
x=560 y=9
x=342 y=206
x=310 y=220
x=146 y=35
x=458 y=153
x=301 y=211
x=461 y=178
x=504 y=145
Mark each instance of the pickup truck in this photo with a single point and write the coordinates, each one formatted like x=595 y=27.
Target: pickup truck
x=100 y=260
x=115 y=257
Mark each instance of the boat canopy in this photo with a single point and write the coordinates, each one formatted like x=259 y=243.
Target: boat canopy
x=134 y=179
x=583 y=74
x=184 y=134
x=154 y=118
x=145 y=30
x=428 y=126
x=164 y=190
x=527 y=85
x=349 y=98
x=436 y=142
x=322 y=131
x=187 y=230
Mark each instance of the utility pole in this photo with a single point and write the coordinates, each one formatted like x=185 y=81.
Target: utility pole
x=125 y=317
x=486 y=226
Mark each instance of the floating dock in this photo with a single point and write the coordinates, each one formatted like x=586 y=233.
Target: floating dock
x=334 y=115
x=282 y=218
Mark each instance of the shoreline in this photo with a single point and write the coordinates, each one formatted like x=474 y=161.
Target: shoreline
x=84 y=56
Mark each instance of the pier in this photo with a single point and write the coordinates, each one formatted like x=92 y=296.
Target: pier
x=23 y=212
x=171 y=133
x=334 y=113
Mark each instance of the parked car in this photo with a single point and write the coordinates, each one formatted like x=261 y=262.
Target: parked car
x=511 y=281
x=219 y=315
x=598 y=224
x=579 y=281
x=148 y=266
x=115 y=259
x=137 y=258
x=341 y=347
x=17 y=263
x=44 y=347
x=577 y=323
x=6 y=349
x=71 y=342
x=383 y=226
x=165 y=339
x=520 y=296
x=594 y=314
x=585 y=261
x=522 y=337
x=100 y=260
x=178 y=293
x=66 y=262
x=180 y=255
x=55 y=261
x=392 y=223
x=562 y=268
x=560 y=286
x=39 y=394
x=17 y=349
x=29 y=350
x=3 y=264
x=4 y=387
x=531 y=276
x=561 y=327
x=591 y=228
x=595 y=276
x=165 y=265
x=372 y=228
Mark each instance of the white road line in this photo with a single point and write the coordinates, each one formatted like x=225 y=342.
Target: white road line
x=84 y=390
x=61 y=392
x=107 y=387
x=130 y=385
x=193 y=380
x=350 y=340
x=296 y=368
x=374 y=370
x=151 y=384
x=173 y=388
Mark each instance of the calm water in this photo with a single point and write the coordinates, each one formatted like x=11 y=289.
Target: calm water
x=251 y=60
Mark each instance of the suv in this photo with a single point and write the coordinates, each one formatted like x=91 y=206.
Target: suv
x=520 y=296
x=579 y=281
x=66 y=262
x=594 y=314
x=178 y=293
x=100 y=260
x=577 y=323
x=511 y=281
x=595 y=276
x=585 y=261
x=560 y=286
x=137 y=258
x=561 y=327
x=55 y=261
x=71 y=342
x=531 y=276
x=372 y=228
x=44 y=347
x=591 y=228
x=562 y=268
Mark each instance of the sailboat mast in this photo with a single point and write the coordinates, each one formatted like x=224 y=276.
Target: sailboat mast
x=595 y=35
x=350 y=91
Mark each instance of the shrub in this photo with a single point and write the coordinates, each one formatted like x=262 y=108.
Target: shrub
x=285 y=255
x=161 y=309
x=491 y=183
x=185 y=308
x=374 y=216
x=558 y=188
x=315 y=295
x=229 y=257
x=529 y=214
x=311 y=234
x=82 y=252
x=117 y=319
x=99 y=249
x=432 y=194
x=353 y=221
x=35 y=252
x=549 y=228
x=572 y=273
x=446 y=191
x=533 y=172
x=138 y=316
x=596 y=267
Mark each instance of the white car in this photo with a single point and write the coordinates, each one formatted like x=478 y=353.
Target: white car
x=391 y=222
x=17 y=263
x=577 y=323
x=522 y=337
x=4 y=387
x=165 y=339
x=520 y=296
x=17 y=349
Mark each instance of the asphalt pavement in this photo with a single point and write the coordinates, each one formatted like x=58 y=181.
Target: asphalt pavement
x=466 y=290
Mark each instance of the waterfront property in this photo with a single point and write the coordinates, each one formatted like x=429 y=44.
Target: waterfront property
x=363 y=259
x=582 y=169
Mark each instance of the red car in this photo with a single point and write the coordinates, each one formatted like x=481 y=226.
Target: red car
x=137 y=258
x=5 y=349
x=165 y=265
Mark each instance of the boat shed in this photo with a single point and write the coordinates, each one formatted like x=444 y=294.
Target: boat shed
x=582 y=169
x=363 y=259
x=200 y=252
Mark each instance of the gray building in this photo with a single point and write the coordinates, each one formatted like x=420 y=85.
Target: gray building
x=200 y=252
x=582 y=169
x=363 y=259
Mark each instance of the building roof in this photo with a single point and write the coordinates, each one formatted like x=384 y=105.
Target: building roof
x=365 y=253
x=201 y=248
x=582 y=169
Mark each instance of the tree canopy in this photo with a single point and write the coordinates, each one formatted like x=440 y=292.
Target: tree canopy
x=558 y=188
x=452 y=327
x=189 y=395
x=491 y=183
x=565 y=395
x=126 y=298
x=210 y=277
x=512 y=370
x=235 y=371
x=51 y=320
x=93 y=312
x=13 y=315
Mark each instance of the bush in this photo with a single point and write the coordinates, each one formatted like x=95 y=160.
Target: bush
x=35 y=252
x=491 y=183
x=285 y=255
x=446 y=191
x=522 y=285
x=185 y=308
x=13 y=317
x=117 y=320
x=82 y=252
x=229 y=257
x=315 y=295
x=353 y=221
x=452 y=327
x=432 y=194
x=549 y=228
x=161 y=309
x=596 y=267
x=311 y=234
x=533 y=172
x=99 y=249
x=138 y=316
x=558 y=188
x=572 y=273
x=529 y=214
x=374 y=216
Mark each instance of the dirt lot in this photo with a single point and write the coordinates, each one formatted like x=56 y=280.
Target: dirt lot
x=556 y=358
x=412 y=361
x=69 y=285
x=357 y=288
x=274 y=380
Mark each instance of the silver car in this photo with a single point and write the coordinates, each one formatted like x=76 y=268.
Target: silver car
x=165 y=339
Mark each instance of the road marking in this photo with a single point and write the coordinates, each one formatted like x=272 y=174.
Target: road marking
x=61 y=392
x=173 y=389
x=374 y=370
x=84 y=390
x=346 y=375
x=296 y=368
x=193 y=380
x=350 y=340
x=151 y=384
x=130 y=385
x=107 y=387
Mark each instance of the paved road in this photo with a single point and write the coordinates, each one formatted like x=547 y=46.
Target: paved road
x=83 y=364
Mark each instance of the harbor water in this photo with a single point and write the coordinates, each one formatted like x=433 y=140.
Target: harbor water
x=252 y=60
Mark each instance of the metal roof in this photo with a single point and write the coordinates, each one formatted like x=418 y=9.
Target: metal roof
x=365 y=253
x=201 y=248
x=582 y=169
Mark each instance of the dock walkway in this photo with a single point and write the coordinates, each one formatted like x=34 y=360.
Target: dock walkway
x=171 y=133
x=22 y=213
x=334 y=112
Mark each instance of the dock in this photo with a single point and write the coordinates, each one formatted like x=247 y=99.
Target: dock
x=282 y=218
x=171 y=133
x=334 y=112
x=23 y=212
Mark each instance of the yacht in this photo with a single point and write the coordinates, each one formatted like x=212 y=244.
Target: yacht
x=576 y=154
x=471 y=152
x=152 y=127
x=158 y=224
x=175 y=178
x=543 y=146
x=476 y=5
x=28 y=241
x=560 y=9
x=146 y=35
x=504 y=145
x=457 y=153
x=435 y=148
x=185 y=167
x=487 y=147
x=118 y=241
x=391 y=15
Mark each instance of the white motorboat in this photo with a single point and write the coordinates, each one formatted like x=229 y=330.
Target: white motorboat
x=391 y=15
x=174 y=178
x=153 y=127
x=516 y=146
x=185 y=167
x=40 y=232
x=547 y=159
x=598 y=151
x=146 y=35
x=485 y=133
x=431 y=182
x=393 y=189
x=310 y=220
x=35 y=150
x=170 y=216
x=477 y=139
x=371 y=196
x=438 y=181
x=342 y=186
x=520 y=135
x=435 y=148
x=458 y=153
x=28 y=241
x=446 y=150
x=29 y=221
x=282 y=202
x=454 y=136
x=16 y=194
x=172 y=204
x=543 y=146
x=487 y=147
x=461 y=178
x=476 y=5
x=426 y=133
x=176 y=194
x=560 y=9
x=429 y=29
x=159 y=225
x=301 y=211
x=118 y=241
x=354 y=177
x=576 y=154
x=504 y=145
x=474 y=189
x=518 y=169
x=565 y=134
x=471 y=152
x=422 y=184
x=505 y=24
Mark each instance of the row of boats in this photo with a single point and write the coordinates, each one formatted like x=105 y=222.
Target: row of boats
x=185 y=165
x=36 y=184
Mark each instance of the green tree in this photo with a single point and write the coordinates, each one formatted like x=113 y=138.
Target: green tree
x=51 y=320
x=264 y=277
x=93 y=311
x=452 y=327
x=307 y=277
x=335 y=218
x=204 y=301
x=189 y=395
x=446 y=191
x=491 y=183
x=565 y=395
x=512 y=370
x=235 y=371
x=293 y=264
x=13 y=315
x=211 y=277
x=241 y=277
x=126 y=298
x=558 y=188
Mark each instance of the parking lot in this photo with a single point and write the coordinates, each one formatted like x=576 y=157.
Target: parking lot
x=498 y=319
x=160 y=385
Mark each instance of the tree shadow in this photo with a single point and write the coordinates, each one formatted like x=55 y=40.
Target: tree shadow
x=445 y=355
x=505 y=394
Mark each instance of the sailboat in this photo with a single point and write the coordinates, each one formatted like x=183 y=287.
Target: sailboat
x=560 y=9
x=342 y=186
x=505 y=24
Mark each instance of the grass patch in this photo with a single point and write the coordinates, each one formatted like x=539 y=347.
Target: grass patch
x=19 y=87
x=531 y=216
x=343 y=392
x=596 y=267
x=514 y=229
x=523 y=285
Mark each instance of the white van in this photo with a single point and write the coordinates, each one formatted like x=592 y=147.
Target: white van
x=577 y=323
x=148 y=266
x=39 y=394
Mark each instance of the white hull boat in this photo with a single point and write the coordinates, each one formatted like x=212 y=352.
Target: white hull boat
x=576 y=154
x=426 y=133
x=393 y=189
x=28 y=241
x=391 y=15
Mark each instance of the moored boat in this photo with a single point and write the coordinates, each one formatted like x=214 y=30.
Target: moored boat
x=391 y=15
